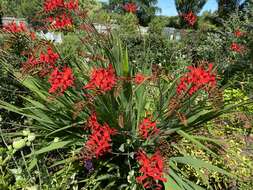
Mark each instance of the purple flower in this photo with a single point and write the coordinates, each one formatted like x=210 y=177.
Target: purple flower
x=89 y=165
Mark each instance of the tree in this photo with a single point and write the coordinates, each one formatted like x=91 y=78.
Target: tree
x=115 y=5
x=185 y=6
x=189 y=6
x=247 y=8
x=146 y=9
x=226 y=7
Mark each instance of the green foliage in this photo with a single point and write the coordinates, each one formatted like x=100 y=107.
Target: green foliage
x=147 y=11
x=233 y=156
x=174 y=22
x=225 y=8
x=122 y=24
x=10 y=88
x=157 y=50
x=205 y=22
x=101 y=17
x=232 y=139
x=247 y=7
x=127 y=24
x=22 y=8
x=91 y=6
x=156 y=26
x=214 y=45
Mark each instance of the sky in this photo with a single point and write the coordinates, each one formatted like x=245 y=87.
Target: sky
x=169 y=9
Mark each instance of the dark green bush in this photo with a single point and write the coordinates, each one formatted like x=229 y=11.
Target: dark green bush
x=157 y=50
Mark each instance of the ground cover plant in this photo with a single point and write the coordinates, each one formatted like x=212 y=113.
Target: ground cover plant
x=94 y=116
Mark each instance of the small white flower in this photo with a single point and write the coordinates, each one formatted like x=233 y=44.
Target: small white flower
x=130 y=176
x=56 y=139
x=31 y=137
x=18 y=144
x=26 y=132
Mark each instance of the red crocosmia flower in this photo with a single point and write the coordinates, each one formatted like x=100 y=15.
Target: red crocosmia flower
x=99 y=141
x=102 y=79
x=30 y=64
x=130 y=7
x=190 y=18
x=15 y=28
x=237 y=47
x=61 y=80
x=197 y=78
x=32 y=61
x=61 y=21
x=151 y=170
x=46 y=62
x=93 y=123
x=71 y=5
x=33 y=35
x=50 y=57
x=238 y=33
x=50 y=5
x=139 y=78
x=147 y=128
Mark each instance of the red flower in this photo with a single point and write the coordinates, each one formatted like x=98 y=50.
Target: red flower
x=237 y=47
x=50 y=57
x=61 y=80
x=151 y=169
x=130 y=7
x=46 y=62
x=197 y=79
x=103 y=79
x=71 y=5
x=15 y=28
x=61 y=21
x=30 y=64
x=50 y=5
x=190 y=18
x=33 y=35
x=238 y=33
x=147 y=128
x=139 y=78
x=32 y=61
x=93 y=123
x=99 y=141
